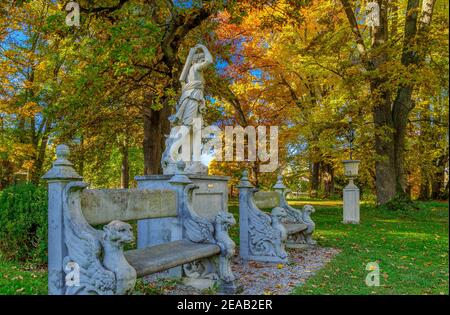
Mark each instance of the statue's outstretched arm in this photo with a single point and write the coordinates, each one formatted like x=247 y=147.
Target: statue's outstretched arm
x=208 y=57
x=186 y=67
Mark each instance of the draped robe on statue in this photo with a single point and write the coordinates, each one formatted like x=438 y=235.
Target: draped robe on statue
x=190 y=104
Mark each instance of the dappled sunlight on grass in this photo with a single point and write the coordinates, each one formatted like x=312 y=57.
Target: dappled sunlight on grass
x=413 y=235
x=323 y=203
x=411 y=249
x=332 y=233
x=388 y=220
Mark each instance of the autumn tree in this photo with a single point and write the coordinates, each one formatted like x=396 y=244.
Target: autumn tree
x=401 y=51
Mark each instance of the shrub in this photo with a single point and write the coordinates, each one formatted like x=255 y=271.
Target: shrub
x=401 y=202
x=23 y=223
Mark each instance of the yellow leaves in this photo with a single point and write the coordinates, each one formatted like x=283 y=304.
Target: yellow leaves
x=5 y=107
x=41 y=66
x=21 y=151
x=28 y=164
x=29 y=109
x=27 y=84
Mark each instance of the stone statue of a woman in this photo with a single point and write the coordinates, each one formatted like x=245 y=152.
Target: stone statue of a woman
x=192 y=102
x=189 y=109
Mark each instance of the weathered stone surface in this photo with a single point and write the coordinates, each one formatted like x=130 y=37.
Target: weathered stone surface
x=97 y=256
x=209 y=199
x=103 y=206
x=351 y=193
x=351 y=204
x=296 y=216
x=165 y=256
x=266 y=199
x=58 y=177
x=292 y=228
x=258 y=239
x=87 y=248
x=262 y=236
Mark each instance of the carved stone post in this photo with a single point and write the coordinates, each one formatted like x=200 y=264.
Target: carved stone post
x=262 y=236
x=351 y=193
x=280 y=188
x=245 y=190
x=178 y=182
x=57 y=177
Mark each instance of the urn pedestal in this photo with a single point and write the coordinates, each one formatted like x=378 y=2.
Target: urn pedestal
x=351 y=193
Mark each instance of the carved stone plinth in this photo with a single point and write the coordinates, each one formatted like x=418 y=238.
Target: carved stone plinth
x=351 y=203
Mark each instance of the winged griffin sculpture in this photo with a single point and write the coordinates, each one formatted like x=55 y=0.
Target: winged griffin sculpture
x=97 y=255
x=201 y=230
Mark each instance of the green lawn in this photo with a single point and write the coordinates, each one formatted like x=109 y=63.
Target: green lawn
x=22 y=278
x=411 y=249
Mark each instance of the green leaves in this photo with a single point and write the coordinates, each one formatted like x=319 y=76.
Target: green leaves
x=23 y=223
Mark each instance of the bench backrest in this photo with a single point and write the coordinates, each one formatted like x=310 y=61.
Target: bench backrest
x=267 y=199
x=104 y=206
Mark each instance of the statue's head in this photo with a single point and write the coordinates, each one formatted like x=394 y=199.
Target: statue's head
x=118 y=232
x=225 y=219
x=199 y=57
x=279 y=212
x=308 y=209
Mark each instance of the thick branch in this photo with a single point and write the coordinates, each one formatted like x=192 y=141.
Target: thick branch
x=355 y=30
x=104 y=9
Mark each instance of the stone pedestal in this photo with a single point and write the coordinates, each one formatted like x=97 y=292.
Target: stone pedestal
x=210 y=198
x=61 y=174
x=351 y=203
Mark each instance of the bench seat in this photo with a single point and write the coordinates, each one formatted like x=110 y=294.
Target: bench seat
x=292 y=228
x=168 y=255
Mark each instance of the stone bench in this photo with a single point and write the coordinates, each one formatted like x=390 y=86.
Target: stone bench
x=85 y=260
x=263 y=236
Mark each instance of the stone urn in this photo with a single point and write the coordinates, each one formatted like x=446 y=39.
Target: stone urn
x=351 y=168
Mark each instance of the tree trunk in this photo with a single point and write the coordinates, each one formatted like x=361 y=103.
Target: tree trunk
x=315 y=179
x=255 y=168
x=39 y=162
x=390 y=118
x=156 y=126
x=424 y=193
x=385 y=171
x=328 y=179
x=437 y=186
x=125 y=171
x=81 y=156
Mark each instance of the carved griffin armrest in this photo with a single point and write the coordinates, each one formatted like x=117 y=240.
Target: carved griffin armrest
x=196 y=229
x=94 y=263
x=299 y=216
x=293 y=215
x=200 y=230
x=267 y=234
